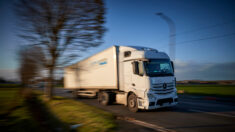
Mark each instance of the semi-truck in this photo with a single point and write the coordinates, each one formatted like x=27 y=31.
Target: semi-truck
x=138 y=77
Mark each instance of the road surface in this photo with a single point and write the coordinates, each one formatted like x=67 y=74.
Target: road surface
x=190 y=115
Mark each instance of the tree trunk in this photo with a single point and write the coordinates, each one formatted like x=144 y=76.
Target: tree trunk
x=50 y=84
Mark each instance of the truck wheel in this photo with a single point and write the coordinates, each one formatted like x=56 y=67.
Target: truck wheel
x=132 y=103
x=103 y=98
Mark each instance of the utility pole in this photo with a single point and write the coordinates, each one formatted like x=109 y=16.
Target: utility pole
x=172 y=35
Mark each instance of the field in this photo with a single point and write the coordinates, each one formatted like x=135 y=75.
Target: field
x=208 y=89
x=10 y=85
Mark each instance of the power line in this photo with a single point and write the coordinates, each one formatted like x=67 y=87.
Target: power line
x=206 y=38
x=204 y=27
x=201 y=39
x=207 y=27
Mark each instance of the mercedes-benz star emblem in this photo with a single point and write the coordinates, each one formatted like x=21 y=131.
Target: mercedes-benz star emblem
x=164 y=85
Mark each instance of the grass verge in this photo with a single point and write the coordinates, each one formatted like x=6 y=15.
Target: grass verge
x=32 y=113
x=73 y=112
x=208 y=89
x=14 y=113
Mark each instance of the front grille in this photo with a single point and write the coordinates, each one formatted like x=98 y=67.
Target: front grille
x=160 y=89
x=151 y=103
x=162 y=101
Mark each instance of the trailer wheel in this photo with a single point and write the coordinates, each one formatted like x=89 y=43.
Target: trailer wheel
x=103 y=98
x=132 y=103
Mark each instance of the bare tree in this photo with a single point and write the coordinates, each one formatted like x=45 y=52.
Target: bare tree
x=62 y=28
x=30 y=59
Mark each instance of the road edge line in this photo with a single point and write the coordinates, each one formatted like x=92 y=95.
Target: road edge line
x=212 y=113
x=145 y=124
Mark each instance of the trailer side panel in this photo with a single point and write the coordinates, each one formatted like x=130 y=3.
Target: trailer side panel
x=96 y=72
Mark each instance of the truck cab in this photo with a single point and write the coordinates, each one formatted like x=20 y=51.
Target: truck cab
x=147 y=78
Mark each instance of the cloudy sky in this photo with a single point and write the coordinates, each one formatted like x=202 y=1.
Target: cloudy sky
x=205 y=34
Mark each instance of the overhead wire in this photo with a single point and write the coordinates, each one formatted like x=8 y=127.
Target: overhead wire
x=205 y=27
x=206 y=38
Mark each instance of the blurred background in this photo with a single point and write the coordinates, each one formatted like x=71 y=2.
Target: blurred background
x=38 y=38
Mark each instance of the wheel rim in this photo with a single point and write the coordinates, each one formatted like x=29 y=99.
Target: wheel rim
x=132 y=103
x=102 y=98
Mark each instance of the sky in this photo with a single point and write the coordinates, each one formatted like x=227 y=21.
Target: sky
x=205 y=34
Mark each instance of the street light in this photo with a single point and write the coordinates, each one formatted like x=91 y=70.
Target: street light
x=172 y=35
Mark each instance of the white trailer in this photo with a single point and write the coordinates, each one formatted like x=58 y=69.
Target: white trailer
x=138 y=77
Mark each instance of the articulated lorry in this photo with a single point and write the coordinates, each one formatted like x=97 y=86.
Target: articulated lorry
x=138 y=77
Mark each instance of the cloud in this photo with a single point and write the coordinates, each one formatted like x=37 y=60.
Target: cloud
x=9 y=74
x=204 y=71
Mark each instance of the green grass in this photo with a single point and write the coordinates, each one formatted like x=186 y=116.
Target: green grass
x=73 y=112
x=9 y=99
x=14 y=114
x=22 y=114
x=208 y=89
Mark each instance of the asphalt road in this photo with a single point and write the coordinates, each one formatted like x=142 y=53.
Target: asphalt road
x=190 y=115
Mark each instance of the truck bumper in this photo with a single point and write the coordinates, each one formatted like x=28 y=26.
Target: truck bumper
x=156 y=106
x=160 y=102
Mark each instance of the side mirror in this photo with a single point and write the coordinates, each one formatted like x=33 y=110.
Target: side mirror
x=135 y=66
x=173 y=67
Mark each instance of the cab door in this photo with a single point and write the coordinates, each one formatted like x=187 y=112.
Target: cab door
x=138 y=79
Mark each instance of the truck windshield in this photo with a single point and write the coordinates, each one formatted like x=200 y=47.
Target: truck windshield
x=158 y=67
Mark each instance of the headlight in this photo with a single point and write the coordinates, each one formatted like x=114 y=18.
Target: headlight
x=175 y=93
x=151 y=96
x=175 y=81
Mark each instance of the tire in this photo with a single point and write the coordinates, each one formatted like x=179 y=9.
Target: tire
x=132 y=103
x=103 y=98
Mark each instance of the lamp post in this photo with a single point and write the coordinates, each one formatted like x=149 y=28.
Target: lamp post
x=172 y=35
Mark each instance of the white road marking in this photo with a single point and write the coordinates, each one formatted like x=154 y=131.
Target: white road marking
x=145 y=124
x=212 y=113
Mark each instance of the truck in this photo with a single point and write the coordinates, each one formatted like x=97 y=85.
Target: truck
x=138 y=77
